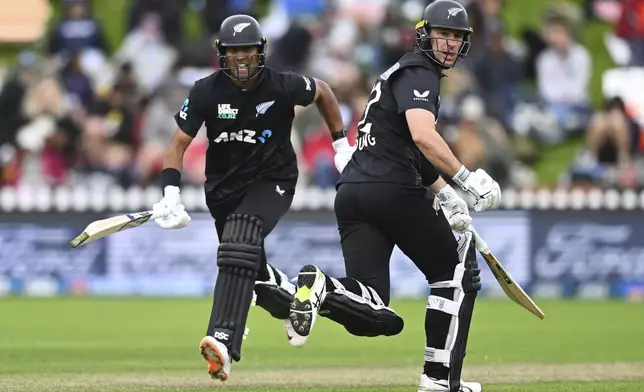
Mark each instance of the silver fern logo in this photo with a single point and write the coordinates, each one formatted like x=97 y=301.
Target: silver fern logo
x=239 y=27
x=263 y=107
x=454 y=11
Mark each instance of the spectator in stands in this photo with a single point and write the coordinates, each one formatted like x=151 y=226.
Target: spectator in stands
x=77 y=31
x=611 y=141
x=459 y=84
x=499 y=75
x=109 y=138
x=152 y=58
x=170 y=13
x=396 y=35
x=283 y=58
x=316 y=153
x=317 y=159
x=486 y=20
x=563 y=76
x=47 y=141
x=127 y=80
x=158 y=129
x=77 y=83
x=630 y=27
x=609 y=136
x=13 y=93
x=481 y=141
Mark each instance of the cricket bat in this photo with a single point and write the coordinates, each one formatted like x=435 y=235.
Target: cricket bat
x=509 y=286
x=104 y=227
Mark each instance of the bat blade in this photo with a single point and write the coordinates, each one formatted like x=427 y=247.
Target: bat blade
x=509 y=286
x=104 y=227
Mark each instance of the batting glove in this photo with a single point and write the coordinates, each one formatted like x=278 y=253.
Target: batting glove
x=343 y=153
x=485 y=190
x=455 y=209
x=169 y=213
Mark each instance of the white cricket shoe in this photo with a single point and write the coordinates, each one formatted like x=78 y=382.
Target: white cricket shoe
x=291 y=288
x=216 y=354
x=311 y=291
x=428 y=384
x=290 y=332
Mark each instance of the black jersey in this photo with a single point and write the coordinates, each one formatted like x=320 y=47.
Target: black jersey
x=385 y=149
x=249 y=131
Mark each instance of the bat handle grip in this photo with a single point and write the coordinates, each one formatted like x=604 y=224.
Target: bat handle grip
x=156 y=216
x=481 y=246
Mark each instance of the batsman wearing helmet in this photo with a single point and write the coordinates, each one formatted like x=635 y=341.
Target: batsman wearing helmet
x=382 y=200
x=251 y=172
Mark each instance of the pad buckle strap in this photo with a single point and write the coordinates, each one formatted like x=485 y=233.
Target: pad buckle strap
x=439 y=356
x=455 y=283
x=444 y=305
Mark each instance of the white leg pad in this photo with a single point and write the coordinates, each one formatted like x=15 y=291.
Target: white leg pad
x=450 y=306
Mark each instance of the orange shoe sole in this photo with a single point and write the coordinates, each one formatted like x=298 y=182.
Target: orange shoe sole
x=211 y=354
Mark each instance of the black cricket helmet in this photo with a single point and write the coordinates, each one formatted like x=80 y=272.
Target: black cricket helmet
x=448 y=15
x=241 y=31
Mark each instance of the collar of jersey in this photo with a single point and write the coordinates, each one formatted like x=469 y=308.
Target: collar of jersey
x=233 y=88
x=429 y=61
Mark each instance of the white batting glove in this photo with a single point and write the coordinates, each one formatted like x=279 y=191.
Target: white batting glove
x=343 y=153
x=455 y=209
x=169 y=213
x=485 y=190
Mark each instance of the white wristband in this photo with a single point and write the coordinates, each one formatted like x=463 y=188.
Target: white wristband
x=461 y=177
x=171 y=191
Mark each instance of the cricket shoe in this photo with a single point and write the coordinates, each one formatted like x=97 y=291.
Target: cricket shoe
x=290 y=332
x=216 y=354
x=428 y=384
x=311 y=291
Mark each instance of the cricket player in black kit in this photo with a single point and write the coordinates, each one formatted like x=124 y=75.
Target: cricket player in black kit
x=251 y=173
x=382 y=200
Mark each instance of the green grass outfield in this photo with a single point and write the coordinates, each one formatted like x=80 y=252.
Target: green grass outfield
x=80 y=344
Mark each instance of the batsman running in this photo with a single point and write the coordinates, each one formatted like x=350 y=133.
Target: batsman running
x=382 y=201
x=251 y=172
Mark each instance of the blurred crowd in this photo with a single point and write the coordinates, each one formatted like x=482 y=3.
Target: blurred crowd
x=82 y=112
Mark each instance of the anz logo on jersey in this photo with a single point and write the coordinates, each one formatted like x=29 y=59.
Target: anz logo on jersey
x=245 y=136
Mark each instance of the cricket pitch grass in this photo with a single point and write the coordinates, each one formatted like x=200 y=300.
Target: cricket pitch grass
x=81 y=344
